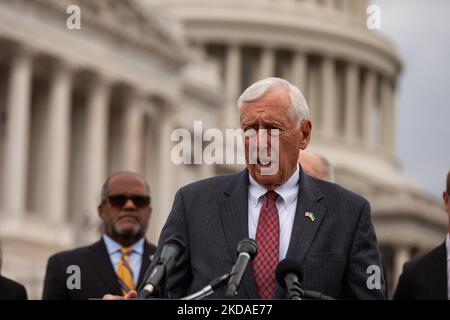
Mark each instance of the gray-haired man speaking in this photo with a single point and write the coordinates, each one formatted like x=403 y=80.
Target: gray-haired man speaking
x=323 y=227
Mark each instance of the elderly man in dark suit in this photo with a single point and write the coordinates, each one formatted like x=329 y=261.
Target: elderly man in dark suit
x=116 y=263
x=325 y=228
x=427 y=277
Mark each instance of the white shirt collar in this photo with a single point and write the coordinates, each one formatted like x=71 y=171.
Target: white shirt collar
x=288 y=191
x=113 y=246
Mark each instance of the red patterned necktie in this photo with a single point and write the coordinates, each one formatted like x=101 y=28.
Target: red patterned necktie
x=268 y=240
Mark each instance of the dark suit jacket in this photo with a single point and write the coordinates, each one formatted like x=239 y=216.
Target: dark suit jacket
x=11 y=290
x=97 y=273
x=335 y=250
x=424 y=277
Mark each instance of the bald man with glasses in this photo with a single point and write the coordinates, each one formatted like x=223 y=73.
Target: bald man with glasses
x=118 y=261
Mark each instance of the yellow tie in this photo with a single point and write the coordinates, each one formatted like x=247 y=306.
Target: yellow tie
x=124 y=271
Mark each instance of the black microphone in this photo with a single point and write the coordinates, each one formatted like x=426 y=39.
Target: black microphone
x=209 y=289
x=289 y=275
x=246 y=250
x=156 y=274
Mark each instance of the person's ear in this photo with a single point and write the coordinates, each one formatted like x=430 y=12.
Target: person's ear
x=100 y=210
x=305 y=128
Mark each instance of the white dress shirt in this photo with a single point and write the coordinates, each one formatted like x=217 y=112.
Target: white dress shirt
x=134 y=259
x=286 y=205
x=447 y=244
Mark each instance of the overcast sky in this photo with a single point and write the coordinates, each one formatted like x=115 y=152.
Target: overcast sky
x=420 y=31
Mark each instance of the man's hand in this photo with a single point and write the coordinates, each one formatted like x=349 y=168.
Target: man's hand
x=132 y=294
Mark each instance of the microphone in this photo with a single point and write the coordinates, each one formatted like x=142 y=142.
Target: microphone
x=246 y=250
x=289 y=275
x=156 y=274
x=209 y=289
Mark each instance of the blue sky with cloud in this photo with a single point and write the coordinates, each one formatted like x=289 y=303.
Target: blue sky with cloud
x=420 y=31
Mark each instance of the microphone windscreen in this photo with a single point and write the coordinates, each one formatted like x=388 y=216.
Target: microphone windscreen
x=285 y=267
x=179 y=241
x=248 y=246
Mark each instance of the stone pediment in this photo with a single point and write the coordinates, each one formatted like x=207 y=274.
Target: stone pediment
x=129 y=20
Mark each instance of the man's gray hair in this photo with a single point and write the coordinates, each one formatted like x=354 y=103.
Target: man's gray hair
x=259 y=88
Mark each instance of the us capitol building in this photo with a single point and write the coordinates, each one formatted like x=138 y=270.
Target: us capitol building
x=76 y=105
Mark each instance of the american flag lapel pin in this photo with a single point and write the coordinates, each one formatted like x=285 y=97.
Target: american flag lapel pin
x=310 y=215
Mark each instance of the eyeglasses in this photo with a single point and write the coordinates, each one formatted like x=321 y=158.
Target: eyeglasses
x=120 y=200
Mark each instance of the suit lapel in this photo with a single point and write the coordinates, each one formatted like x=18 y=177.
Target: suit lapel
x=234 y=214
x=304 y=229
x=101 y=263
x=146 y=260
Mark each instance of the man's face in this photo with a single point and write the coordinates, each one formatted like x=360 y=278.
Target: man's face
x=129 y=218
x=311 y=165
x=273 y=111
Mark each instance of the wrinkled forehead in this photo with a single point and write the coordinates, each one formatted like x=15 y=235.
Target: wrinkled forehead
x=275 y=104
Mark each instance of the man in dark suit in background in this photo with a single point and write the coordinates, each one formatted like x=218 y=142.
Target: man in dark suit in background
x=323 y=227
x=117 y=262
x=9 y=289
x=427 y=277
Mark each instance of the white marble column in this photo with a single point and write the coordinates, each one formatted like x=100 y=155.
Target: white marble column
x=299 y=65
x=329 y=4
x=14 y=171
x=132 y=134
x=328 y=77
x=313 y=95
x=57 y=143
x=167 y=172
x=96 y=144
x=368 y=103
x=348 y=7
x=232 y=84
x=360 y=9
x=267 y=63
x=351 y=101
x=387 y=114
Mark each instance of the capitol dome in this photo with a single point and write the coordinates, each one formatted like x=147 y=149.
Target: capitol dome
x=348 y=75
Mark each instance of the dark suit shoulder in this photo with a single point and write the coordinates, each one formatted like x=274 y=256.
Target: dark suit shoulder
x=152 y=248
x=82 y=251
x=333 y=190
x=200 y=193
x=424 y=277
x=422 y=262
x=220 y=182
x=72 y=254
x=11 y=290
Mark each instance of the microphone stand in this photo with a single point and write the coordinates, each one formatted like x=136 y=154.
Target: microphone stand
x=299 y=294
x=296 y=292
x=308 y=294
x=209 y=289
